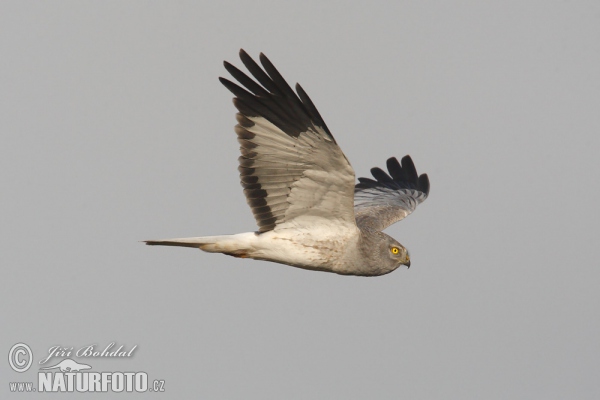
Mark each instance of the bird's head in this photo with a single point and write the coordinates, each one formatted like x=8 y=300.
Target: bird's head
x=395 y=252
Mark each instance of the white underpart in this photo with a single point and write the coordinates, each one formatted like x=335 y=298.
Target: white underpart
x=318 y=248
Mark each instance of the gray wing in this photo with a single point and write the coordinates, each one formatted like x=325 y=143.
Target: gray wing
x=292 y=170
x=388 y=199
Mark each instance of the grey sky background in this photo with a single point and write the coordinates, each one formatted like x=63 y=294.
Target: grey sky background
x=115 y=129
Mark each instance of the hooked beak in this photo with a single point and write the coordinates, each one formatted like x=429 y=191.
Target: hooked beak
x=407 y=263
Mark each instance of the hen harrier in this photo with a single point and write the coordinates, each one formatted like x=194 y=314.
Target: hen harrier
x=301 y=187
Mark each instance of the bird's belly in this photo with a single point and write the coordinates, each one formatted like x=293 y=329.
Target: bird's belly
x=309 y=250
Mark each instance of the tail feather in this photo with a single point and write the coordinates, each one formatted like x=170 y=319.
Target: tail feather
x=235 y=245
x=172 y=242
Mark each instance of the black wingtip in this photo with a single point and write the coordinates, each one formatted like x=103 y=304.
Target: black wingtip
x=423 y=184
x=233 y=88
x=266 y=93
x=263 y=58
x=394 y=167
x=402 y=174
x=380 y=175
x=228 y=66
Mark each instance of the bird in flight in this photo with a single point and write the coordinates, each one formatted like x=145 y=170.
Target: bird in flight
x=301 y=187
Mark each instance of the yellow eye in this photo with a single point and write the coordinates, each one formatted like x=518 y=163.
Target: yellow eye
x=395 y=250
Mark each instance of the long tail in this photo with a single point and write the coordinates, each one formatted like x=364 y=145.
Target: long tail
x=234 y=245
